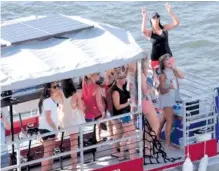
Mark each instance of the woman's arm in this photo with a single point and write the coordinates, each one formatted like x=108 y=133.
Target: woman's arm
x=116 y=101
x=144 y=29
x=144 y=85
x=80 y=102
x=175 y=19
x=109 y=78
x=178 y=73
x=99 y=100
x=5 y=123
x=49 y=120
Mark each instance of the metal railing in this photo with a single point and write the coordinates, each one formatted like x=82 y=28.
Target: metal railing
x=208 y=116
x=81 y=149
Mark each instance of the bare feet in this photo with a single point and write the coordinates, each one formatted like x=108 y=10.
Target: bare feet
x=171 y=147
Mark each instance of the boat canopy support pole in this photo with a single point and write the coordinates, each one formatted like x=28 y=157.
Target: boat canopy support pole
x=12 y=132
x=140 y=107
x=81 y=148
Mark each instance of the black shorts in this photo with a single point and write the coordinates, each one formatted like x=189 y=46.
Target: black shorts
x=45 y=131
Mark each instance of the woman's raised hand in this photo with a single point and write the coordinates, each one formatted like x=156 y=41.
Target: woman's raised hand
x=169 y=8
x=143 y=11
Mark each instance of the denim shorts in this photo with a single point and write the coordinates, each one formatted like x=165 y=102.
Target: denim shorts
x=109 y=114
x=4 y=160
x=125 y=119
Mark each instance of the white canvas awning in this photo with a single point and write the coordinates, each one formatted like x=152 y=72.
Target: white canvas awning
x=92 y=50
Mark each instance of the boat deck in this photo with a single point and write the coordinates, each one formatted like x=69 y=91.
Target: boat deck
x=103 y=159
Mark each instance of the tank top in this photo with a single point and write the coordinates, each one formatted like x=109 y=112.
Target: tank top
x=89 y=97
x=124 y=96
x=168 y=99
x=160 y=45
x=71 y=116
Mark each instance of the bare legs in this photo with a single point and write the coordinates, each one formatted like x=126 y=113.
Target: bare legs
x=129 y=130
x=117 y=133
x=162 y=123
x=74 y=146
x=110 y=128
x=98 y=132
x=151 y=115
x=48 y=146
x=168 y=118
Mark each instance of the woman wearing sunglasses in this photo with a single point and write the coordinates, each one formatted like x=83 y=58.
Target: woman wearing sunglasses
x=122 y=105
x=48 y=120
x=158 y=35
x=168 y=85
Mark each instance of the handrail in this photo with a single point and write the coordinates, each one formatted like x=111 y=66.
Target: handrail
x=188 y=123
x=67 y=153
x=80 y=149
x=81 y=125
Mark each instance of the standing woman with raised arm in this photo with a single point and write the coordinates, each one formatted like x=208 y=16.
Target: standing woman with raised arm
x=158 y=35
x=168 y=93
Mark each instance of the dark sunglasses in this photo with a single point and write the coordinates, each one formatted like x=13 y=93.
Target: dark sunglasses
x=57 y=86
x=121 y=78
x=156 y=17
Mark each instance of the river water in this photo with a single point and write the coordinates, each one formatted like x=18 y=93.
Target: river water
x=195 y=43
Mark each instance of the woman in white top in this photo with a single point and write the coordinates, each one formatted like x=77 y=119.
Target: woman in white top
x=72 y=108
x=168 y=86
x=48 y=120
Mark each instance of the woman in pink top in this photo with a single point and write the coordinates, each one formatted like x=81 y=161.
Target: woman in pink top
x=92 y=97
x=147 y=105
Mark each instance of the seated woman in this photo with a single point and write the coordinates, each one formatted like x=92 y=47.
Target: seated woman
x=168 y=86
x=93 y=100
x=72 y=115
x=121 y=105
x=147 y=105
x=48 y=120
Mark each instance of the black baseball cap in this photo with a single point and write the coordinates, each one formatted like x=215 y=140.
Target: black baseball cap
x=155 y=15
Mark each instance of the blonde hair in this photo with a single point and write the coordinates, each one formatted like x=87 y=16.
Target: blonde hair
x=162 y=60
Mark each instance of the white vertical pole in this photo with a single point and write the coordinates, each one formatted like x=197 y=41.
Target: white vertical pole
x=184 y=125
x=81 y=148
x=214 y=109
x=140 y=108
x=18 y=157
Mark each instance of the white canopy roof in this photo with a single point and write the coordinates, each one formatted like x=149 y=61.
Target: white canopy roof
x=92 y=50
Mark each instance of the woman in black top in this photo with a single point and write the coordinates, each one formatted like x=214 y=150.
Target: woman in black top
x=121 y=105
x=159 y=34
